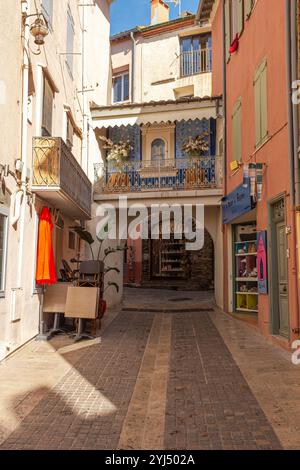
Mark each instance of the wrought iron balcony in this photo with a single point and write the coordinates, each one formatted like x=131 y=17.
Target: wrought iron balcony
x=193 y=62
x=203 y=172
x=59 y=179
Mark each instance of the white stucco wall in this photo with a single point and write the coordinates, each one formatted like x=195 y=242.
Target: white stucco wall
x=14 y=334
x=157 y=59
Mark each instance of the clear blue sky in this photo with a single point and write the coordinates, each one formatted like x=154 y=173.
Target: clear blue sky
x=125 y=14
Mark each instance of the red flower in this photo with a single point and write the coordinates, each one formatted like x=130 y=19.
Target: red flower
x=234 y=45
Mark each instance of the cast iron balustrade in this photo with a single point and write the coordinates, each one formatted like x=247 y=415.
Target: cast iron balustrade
x=203 y=172
x=59 y=179
x=193 y=62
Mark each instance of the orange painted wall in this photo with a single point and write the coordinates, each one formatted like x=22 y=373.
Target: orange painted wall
x=263 y=37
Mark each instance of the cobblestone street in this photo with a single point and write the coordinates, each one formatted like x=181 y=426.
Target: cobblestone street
x=171 y=374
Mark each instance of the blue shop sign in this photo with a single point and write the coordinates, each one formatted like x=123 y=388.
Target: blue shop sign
x=237 y=203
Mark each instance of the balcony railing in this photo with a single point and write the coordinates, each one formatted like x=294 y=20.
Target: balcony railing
x=58 y=177
x=203 y=172
x=193 y=62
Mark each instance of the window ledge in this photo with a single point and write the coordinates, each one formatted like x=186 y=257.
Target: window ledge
x=121 y=102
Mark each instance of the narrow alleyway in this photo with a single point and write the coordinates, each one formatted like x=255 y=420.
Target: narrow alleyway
x=169 y=372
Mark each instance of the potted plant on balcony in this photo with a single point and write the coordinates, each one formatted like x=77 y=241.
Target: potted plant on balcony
x=118 y=154
x=195 y=148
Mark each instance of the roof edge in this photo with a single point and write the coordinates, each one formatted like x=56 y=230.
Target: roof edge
x=194 y=99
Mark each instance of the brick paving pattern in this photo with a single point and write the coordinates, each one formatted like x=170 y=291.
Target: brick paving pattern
x=206 y=400
x=86 y=409
x=210 y=405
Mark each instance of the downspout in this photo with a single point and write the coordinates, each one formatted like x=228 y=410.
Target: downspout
x=224 y=85
x=132 y=65
x=24 y=137
x=84 y=153
x=291 y=128
x=296 y=212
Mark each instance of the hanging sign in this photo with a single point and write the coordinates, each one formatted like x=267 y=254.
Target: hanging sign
x=262 y=267
x=236 y=203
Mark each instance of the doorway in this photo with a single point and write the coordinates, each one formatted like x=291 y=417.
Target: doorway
x=279 y=270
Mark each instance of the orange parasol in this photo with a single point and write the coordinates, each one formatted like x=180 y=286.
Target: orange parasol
x=45 y=267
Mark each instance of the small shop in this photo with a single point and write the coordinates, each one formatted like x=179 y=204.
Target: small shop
x=167 y=263
x=245 y=285
x=239 y=214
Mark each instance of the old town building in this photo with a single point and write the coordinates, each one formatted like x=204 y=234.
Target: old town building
x=158 y=102
x=261 y=185
x=46 y=152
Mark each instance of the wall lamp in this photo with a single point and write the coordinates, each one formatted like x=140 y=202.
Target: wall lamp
x=39 y=30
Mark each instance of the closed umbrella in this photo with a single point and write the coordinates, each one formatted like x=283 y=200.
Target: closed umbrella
x=45 y=267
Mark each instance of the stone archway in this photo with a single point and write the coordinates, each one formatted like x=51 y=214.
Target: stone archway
x=200 y=268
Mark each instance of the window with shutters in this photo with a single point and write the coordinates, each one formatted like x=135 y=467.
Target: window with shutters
x=237 y=131
x=47 y=108
x=70 y=41
x=70 y=132
x=234 y=22
x=261 y=104
x=121 y=88
x=47 y=9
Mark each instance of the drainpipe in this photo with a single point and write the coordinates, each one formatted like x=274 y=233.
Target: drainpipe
x=296 y=213
x=84 y=153
x=24 y=136
x=291 y=70
x=132 y=65
x=224 y=85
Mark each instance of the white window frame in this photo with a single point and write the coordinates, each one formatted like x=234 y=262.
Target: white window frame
x=118 y=75
x=5 y=213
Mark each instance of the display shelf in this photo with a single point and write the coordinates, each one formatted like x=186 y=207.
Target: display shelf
x=246 y=254
x=247 y=293
x=246 y=310
x=172 y=270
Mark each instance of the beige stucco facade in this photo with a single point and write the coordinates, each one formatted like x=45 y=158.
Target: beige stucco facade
x=72 y=92
x=156 y=65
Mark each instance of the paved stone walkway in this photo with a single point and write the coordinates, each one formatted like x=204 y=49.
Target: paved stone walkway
x=155 y=380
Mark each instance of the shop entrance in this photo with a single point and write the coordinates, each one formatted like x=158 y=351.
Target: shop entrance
x=245 y=284
x=167 y=264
